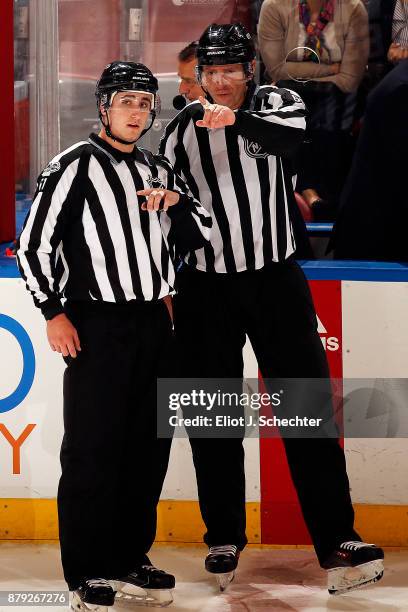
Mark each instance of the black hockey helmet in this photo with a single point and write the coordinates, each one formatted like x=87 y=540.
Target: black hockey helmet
x=126 y=76
x=229 y=43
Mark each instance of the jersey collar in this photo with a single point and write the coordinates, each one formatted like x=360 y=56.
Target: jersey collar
x=248 y=96
x=115 y=155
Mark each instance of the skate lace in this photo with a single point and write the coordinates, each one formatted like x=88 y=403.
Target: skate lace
x=147 y=568
x=97 y=582
x=150 y=568
x=227 y=549
x=354 y=545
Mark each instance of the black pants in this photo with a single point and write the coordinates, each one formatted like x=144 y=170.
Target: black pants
x=113 y=465
x=273 y=306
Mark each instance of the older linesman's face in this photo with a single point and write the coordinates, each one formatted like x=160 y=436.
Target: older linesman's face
x=226 y=84
x=129 y=113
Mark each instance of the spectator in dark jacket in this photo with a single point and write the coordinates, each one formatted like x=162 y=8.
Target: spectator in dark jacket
x=373 y=219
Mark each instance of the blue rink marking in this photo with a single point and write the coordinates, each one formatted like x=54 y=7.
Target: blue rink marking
x=27 y=377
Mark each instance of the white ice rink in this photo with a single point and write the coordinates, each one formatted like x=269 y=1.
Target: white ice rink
x=268 y=579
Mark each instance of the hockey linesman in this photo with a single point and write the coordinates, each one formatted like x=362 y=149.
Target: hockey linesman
x=234 y=150
x=90 y=239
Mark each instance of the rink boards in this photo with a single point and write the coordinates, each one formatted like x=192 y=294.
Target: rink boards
x=364 y=328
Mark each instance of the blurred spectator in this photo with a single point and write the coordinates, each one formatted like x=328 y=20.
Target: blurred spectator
x=379 y=19
x=337 y=31
x=189 y=88
x=373 y=219
x=388 y=45
x=319 y=48
x=388 y=42
x=398 y=49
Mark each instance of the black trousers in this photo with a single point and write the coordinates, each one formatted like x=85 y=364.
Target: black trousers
x=113 y=465
x=274 y=307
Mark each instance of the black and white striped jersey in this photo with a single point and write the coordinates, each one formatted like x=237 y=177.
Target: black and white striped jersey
x=242 y=175
x=86 y=237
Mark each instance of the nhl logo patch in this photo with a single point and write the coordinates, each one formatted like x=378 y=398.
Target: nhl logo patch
x=155 y=183
x=254 y=149
x=52 y=167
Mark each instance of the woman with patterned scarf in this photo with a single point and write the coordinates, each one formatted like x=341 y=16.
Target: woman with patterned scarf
x=318 y=48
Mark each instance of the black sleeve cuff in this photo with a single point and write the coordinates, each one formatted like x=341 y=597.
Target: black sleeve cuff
x=180 y=208
x=51 y=308
x=246 y=126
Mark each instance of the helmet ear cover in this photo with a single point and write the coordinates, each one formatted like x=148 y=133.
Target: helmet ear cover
x=102 y=100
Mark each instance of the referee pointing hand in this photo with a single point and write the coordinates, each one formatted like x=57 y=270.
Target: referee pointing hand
x=215 y=115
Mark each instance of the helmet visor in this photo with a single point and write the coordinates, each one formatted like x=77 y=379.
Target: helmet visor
x=217 y=75
x=140 y=101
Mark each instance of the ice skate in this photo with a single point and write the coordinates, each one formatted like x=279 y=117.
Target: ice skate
x=94 y=594
x=222 y=561
x=353 y=565
x=146 y=586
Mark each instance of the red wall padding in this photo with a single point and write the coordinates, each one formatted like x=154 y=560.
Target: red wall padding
x=281 y=518
x=7 y=196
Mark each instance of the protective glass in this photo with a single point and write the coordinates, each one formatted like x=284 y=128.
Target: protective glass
x=297 y=55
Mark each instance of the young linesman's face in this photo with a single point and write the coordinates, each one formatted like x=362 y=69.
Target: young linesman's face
x=129 y=113
x=226 y=84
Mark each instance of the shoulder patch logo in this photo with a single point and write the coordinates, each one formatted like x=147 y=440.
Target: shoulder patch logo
x=52 y=167
x=155 y=183
x=254 y=149
x=296 y=97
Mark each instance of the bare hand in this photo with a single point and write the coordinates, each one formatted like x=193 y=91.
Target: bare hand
x=396 y=53
x=158 y=199
x=392 y=52
x=215 y=115
x=63 y=336
x=335 y=68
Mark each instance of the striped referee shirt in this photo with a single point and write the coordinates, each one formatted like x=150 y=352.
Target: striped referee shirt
x=86 y=237
x=242 y=176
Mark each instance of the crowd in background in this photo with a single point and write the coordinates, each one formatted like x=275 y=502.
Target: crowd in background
x=348 y=61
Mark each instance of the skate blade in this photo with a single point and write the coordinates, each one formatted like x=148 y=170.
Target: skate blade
x=345 y=579
x=224 y=580
x=155 y=598
x=80 y=606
